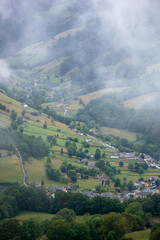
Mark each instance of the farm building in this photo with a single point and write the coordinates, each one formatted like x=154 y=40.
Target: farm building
x=113 y=156
x=3 y=153
x=78 y=175
x=87 y=140
x=84 y=160
x=59 y=130
x=36 y=184
x=24 y=105
x=125 y=155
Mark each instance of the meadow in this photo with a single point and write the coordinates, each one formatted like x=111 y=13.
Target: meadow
x=140 y=235
x=10 y=170
x=122 y=133
x=40 y=217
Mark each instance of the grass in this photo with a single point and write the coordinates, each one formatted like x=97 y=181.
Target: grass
x=9 y=100
x=140 y=235
x=133 y=176
x=91 y=183
x=36 y=172
x=40 y=217
x=4 y=120
x=155 y=219
x=10 y=169
x=122 y=133
x=138 y=102
x=74 y=105
x=90 y=96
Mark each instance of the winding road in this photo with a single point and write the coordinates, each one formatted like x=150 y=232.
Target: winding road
x=22 y=167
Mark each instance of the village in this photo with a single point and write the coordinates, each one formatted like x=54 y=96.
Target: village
x=142 y=189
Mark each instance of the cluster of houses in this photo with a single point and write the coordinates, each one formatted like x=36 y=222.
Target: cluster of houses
x=131 y=155
x=142 y=190
x=124 y=196
x=151 y=162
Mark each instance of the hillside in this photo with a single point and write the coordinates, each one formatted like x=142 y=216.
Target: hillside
x=79 y=120
x=72 y=74
x=35 y=168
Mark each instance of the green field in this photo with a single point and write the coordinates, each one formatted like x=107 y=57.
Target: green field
x=36 y=172
x=39 y=216
x=122 y=133
x=10 y=170
x=4 y=120
x=140 y=235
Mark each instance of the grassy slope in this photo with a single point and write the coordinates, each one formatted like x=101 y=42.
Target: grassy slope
x=39 y=216
x=10 y=169
x=4 y=120
x=36 y=168
x=37 y=52
x=90 y=96
x=122 y=133
x=74 y=104
x=140 y=235
x=138 y=102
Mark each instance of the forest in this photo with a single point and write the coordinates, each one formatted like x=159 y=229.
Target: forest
x=109 y=216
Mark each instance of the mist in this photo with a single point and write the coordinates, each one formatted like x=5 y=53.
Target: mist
x=129 y=30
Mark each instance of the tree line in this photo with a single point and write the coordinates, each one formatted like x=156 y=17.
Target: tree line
x=20 y=198
x=111 y=224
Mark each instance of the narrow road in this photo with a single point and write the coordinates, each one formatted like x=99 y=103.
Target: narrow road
x=22 y=167
x=105 y=144
x=65 y=111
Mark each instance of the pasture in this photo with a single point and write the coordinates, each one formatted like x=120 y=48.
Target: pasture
x=122 y=133
x=10 y=170
x=140 y=235
x=40 y=216
x=4 y=120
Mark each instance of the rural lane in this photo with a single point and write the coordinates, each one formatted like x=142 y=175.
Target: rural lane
x=22 y=167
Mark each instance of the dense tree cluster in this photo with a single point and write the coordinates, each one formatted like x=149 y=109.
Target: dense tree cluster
x=138 y=167
x=54 y=174
x=64 y=226
x=57 y=117
x=52 y=140
x=2 y=107
x=72 y=169
x=20 y=198
x=30 y=146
